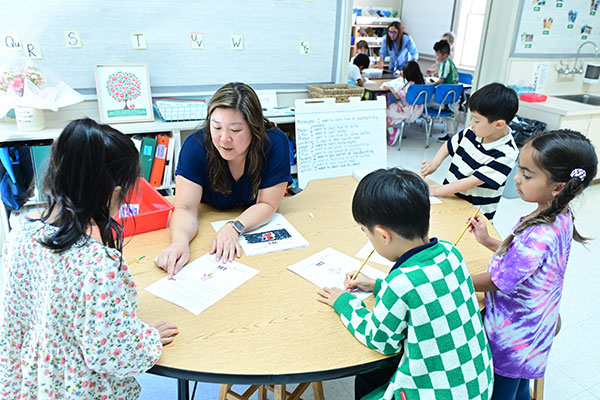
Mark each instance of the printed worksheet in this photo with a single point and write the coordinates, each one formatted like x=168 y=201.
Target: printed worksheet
x=202 y=283
x=376 y=257
x=277 y=235
x=328 y=268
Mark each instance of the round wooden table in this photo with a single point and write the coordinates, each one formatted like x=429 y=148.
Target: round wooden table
x=271 y=330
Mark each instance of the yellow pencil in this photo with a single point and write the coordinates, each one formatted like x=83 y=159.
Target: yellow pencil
x=467 y=227
x=136 y=260
x=363 y=264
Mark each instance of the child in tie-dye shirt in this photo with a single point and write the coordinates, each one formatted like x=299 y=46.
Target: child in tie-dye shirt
x=524 y=281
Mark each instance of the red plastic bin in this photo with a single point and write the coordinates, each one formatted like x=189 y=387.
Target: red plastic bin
x=154 y=209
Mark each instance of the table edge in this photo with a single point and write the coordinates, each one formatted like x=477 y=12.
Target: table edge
x=274 y=379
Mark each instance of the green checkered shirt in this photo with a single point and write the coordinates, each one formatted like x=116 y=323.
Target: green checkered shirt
x=426 y=308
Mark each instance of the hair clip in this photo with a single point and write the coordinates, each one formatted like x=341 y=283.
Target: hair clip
x=578 y=173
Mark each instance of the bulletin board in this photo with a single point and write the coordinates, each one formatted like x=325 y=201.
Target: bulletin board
x=556 y=28
x=190 y=46
x=335 y=139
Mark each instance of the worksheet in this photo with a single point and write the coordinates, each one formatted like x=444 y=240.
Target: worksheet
x=277 y=235
x=328 y=268
x=202 y=283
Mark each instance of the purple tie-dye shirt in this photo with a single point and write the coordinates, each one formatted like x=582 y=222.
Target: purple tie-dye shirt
x=520 y=319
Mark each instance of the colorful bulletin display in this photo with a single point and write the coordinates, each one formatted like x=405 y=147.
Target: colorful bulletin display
x=556 y=28
x=190 y=46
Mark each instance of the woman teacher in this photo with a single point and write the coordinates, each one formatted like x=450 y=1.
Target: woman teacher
x=239 y=159
x=399 y=46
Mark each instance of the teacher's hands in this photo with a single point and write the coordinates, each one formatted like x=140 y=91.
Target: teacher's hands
x=226 y=244
x=173 y=258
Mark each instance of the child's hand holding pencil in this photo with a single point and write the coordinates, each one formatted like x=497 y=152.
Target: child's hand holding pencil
x=361 y=282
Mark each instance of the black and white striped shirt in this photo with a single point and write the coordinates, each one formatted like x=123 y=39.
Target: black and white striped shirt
x=490 y=162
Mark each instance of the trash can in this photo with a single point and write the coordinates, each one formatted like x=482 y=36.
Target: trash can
x=522 y=130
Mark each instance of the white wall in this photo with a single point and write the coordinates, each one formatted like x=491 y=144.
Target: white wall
x=395 y=4
x=496 y=64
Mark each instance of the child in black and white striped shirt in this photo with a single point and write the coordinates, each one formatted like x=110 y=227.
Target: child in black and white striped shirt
x=484 y=154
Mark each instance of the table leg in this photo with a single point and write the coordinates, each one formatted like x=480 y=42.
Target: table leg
x=183 y=389
x=318 y=391
x=262 y=392
x=280 y=393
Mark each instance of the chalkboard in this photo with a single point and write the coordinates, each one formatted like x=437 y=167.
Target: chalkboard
x=189 y=45
x=334 y=139
x=556 y=28
x=427 y=21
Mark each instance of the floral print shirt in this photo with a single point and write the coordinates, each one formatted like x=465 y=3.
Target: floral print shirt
x=69 y=328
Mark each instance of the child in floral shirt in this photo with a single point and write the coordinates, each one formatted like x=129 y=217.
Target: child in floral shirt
x=70 y=329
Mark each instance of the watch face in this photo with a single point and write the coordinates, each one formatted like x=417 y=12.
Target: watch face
x=238 y=226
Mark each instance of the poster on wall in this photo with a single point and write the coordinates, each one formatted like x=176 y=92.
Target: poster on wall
x=556 y=28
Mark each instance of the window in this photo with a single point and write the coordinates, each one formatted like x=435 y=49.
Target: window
x=471 y=14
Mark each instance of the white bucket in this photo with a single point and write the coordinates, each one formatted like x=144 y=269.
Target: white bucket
x=29 y=118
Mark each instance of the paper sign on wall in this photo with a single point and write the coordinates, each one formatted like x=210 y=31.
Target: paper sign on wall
x=138 y=41
x=304 y=48
x=33 y=50
x=237 y=42
x=196 y=40
x=72 y=39
x=11 y=40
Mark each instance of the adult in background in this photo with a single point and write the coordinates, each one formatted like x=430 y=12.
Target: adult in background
x=239 y=159
x=399 y=46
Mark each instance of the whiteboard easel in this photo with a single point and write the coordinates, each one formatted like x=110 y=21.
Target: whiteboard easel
x=334 y=139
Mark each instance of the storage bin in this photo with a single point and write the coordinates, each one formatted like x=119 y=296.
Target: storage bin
x=341 y=92
x=149 y=208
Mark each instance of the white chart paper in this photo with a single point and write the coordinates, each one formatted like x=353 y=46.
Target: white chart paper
x=202 y=283
x=277 y=235
x=328 y=268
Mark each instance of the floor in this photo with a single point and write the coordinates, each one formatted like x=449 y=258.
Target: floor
x=574 y=368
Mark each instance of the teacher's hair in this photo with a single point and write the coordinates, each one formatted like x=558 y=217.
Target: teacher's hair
x=401 y=33
x=240 y=97
x=394 y=198
x=88 y=161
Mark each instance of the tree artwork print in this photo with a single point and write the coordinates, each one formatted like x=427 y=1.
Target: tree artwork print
x=124 y=87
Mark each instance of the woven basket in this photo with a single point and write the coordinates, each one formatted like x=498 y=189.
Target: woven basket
x=341 y=92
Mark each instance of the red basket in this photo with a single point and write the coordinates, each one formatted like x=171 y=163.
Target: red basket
x=533 y=97
x=153 y=213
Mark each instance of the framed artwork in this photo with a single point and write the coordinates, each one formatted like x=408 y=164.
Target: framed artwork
x=123 y=91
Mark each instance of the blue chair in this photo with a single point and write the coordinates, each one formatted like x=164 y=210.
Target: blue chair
x=446 y=96
x=417 y=95
x=465 y=78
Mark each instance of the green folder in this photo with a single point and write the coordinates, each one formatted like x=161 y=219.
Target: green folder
x=147 y=156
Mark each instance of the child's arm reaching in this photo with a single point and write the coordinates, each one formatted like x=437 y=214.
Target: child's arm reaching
x=455 y=187
x=429 y=167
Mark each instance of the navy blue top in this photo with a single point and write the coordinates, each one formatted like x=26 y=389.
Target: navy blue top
x=192 y=166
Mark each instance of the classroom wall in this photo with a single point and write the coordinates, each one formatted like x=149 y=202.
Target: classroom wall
x=497 y=65
x=395 y=4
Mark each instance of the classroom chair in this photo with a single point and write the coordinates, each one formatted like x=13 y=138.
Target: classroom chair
x=447 y=97
x=279 y=391
x=466 y=79
x=537 y=393
x=417 y=95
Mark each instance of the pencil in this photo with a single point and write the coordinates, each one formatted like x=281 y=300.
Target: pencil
x=363 y=264
x=136 y=260
x=467 y=227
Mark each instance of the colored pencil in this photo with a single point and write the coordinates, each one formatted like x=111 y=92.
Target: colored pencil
x=136 y=260
x=363 y=264
x=467 y=227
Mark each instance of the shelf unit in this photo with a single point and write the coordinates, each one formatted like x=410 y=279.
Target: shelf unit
x=373 y=47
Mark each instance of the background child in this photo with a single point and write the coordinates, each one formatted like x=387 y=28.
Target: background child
x=446 y=70
x=525 y=277
x=484 y=154
x=70 y=327
x=449 y=37
x=362 y=47
x=401 y=110
x=361 y=61
x=426 y=306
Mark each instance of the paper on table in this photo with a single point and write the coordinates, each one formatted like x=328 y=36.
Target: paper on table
x=361 y=173
x=328 y=268
x=202 y=283
x=376 y=257
x=277 y=235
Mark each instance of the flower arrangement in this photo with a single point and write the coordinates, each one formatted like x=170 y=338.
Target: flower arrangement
x=15 y=80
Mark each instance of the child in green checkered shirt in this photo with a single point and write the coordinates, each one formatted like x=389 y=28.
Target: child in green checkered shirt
x=425 y=308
